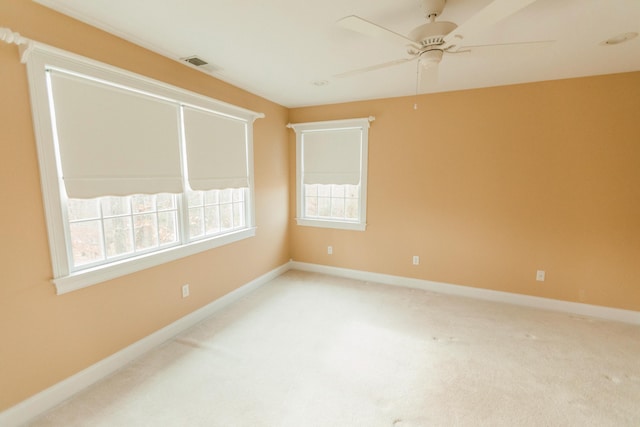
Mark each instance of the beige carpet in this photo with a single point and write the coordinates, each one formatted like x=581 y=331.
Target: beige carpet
x=314 y=350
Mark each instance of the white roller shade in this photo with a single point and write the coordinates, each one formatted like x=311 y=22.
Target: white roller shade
x=114 y=141
x=332 y=156
x=216 y=150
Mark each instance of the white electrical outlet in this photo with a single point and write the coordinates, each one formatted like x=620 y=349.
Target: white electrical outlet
x=540 y=275
x=416 y=260
x=185 y=290
x=330 y=250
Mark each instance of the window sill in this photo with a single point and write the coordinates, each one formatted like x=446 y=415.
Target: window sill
x=85 y=278
x=341 y=225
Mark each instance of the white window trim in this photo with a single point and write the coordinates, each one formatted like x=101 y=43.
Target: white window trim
x=38 y=57
x=300 y=128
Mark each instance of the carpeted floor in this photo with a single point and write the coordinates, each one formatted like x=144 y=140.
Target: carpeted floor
x=314 y=350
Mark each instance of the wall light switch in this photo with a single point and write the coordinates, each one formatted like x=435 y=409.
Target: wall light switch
x=185 y=290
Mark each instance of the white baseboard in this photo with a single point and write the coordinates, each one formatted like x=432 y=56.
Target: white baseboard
x=601 y=312
x=58 y=393
x=53 y=396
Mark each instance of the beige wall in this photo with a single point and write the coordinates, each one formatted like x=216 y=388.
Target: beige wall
x=45 y=338
x=487 y=186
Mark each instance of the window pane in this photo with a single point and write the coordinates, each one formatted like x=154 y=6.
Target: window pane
x=166 y=201
x=212 y=219
x=86 y=242
x=337 y=191
x=324 y=190
x=238 y=215
x=324 y=206
x=311 y=206
x=196 y=223
x=194 y=198
x=167 y=229
x=112 y=206
x=226 y=195
x=226 y=217
x=311 y=189
x=352 y=191
x=212 y=197
x=337 y=208
x=83 y=209
x=351 y=209
x=118 y=236
x=238 y=194
x=143 y=203
x=146 y=231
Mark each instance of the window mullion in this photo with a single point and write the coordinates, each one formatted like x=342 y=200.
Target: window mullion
x=302 y=200
x=103 y=236
x=183 y=205
x=132 y=231
x=183 y=217
x=331 y=201
x=66 y=225
x=219 y=215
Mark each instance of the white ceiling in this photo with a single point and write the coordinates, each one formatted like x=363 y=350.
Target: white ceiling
x=278 y=48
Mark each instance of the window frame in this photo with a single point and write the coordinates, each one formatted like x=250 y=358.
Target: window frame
x=38 y=57
x=300 y=128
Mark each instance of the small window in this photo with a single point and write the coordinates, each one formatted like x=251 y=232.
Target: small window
x=331 y=178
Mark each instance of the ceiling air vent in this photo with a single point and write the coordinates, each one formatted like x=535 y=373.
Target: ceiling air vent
x=194 y=60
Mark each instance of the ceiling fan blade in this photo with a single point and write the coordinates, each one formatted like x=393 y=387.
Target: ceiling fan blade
x=490 y=15
x=374 y=67
x=504 y=48
x=362 y=26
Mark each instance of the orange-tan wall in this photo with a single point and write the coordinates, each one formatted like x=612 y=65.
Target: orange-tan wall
x=45 y=338
x=487 y=186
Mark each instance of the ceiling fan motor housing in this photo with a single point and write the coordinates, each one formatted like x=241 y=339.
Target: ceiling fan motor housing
x=432 y=31
x=430 y=37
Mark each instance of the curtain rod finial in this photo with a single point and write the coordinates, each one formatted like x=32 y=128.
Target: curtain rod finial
x=8 y=36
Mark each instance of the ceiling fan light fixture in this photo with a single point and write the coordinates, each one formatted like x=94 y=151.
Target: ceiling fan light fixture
x=621 y=38
x=431 y=57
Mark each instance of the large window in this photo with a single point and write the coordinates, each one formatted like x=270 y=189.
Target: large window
x=134 y=172
x=331 y=178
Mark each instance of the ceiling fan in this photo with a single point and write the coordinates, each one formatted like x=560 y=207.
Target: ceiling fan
x=428 y=42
